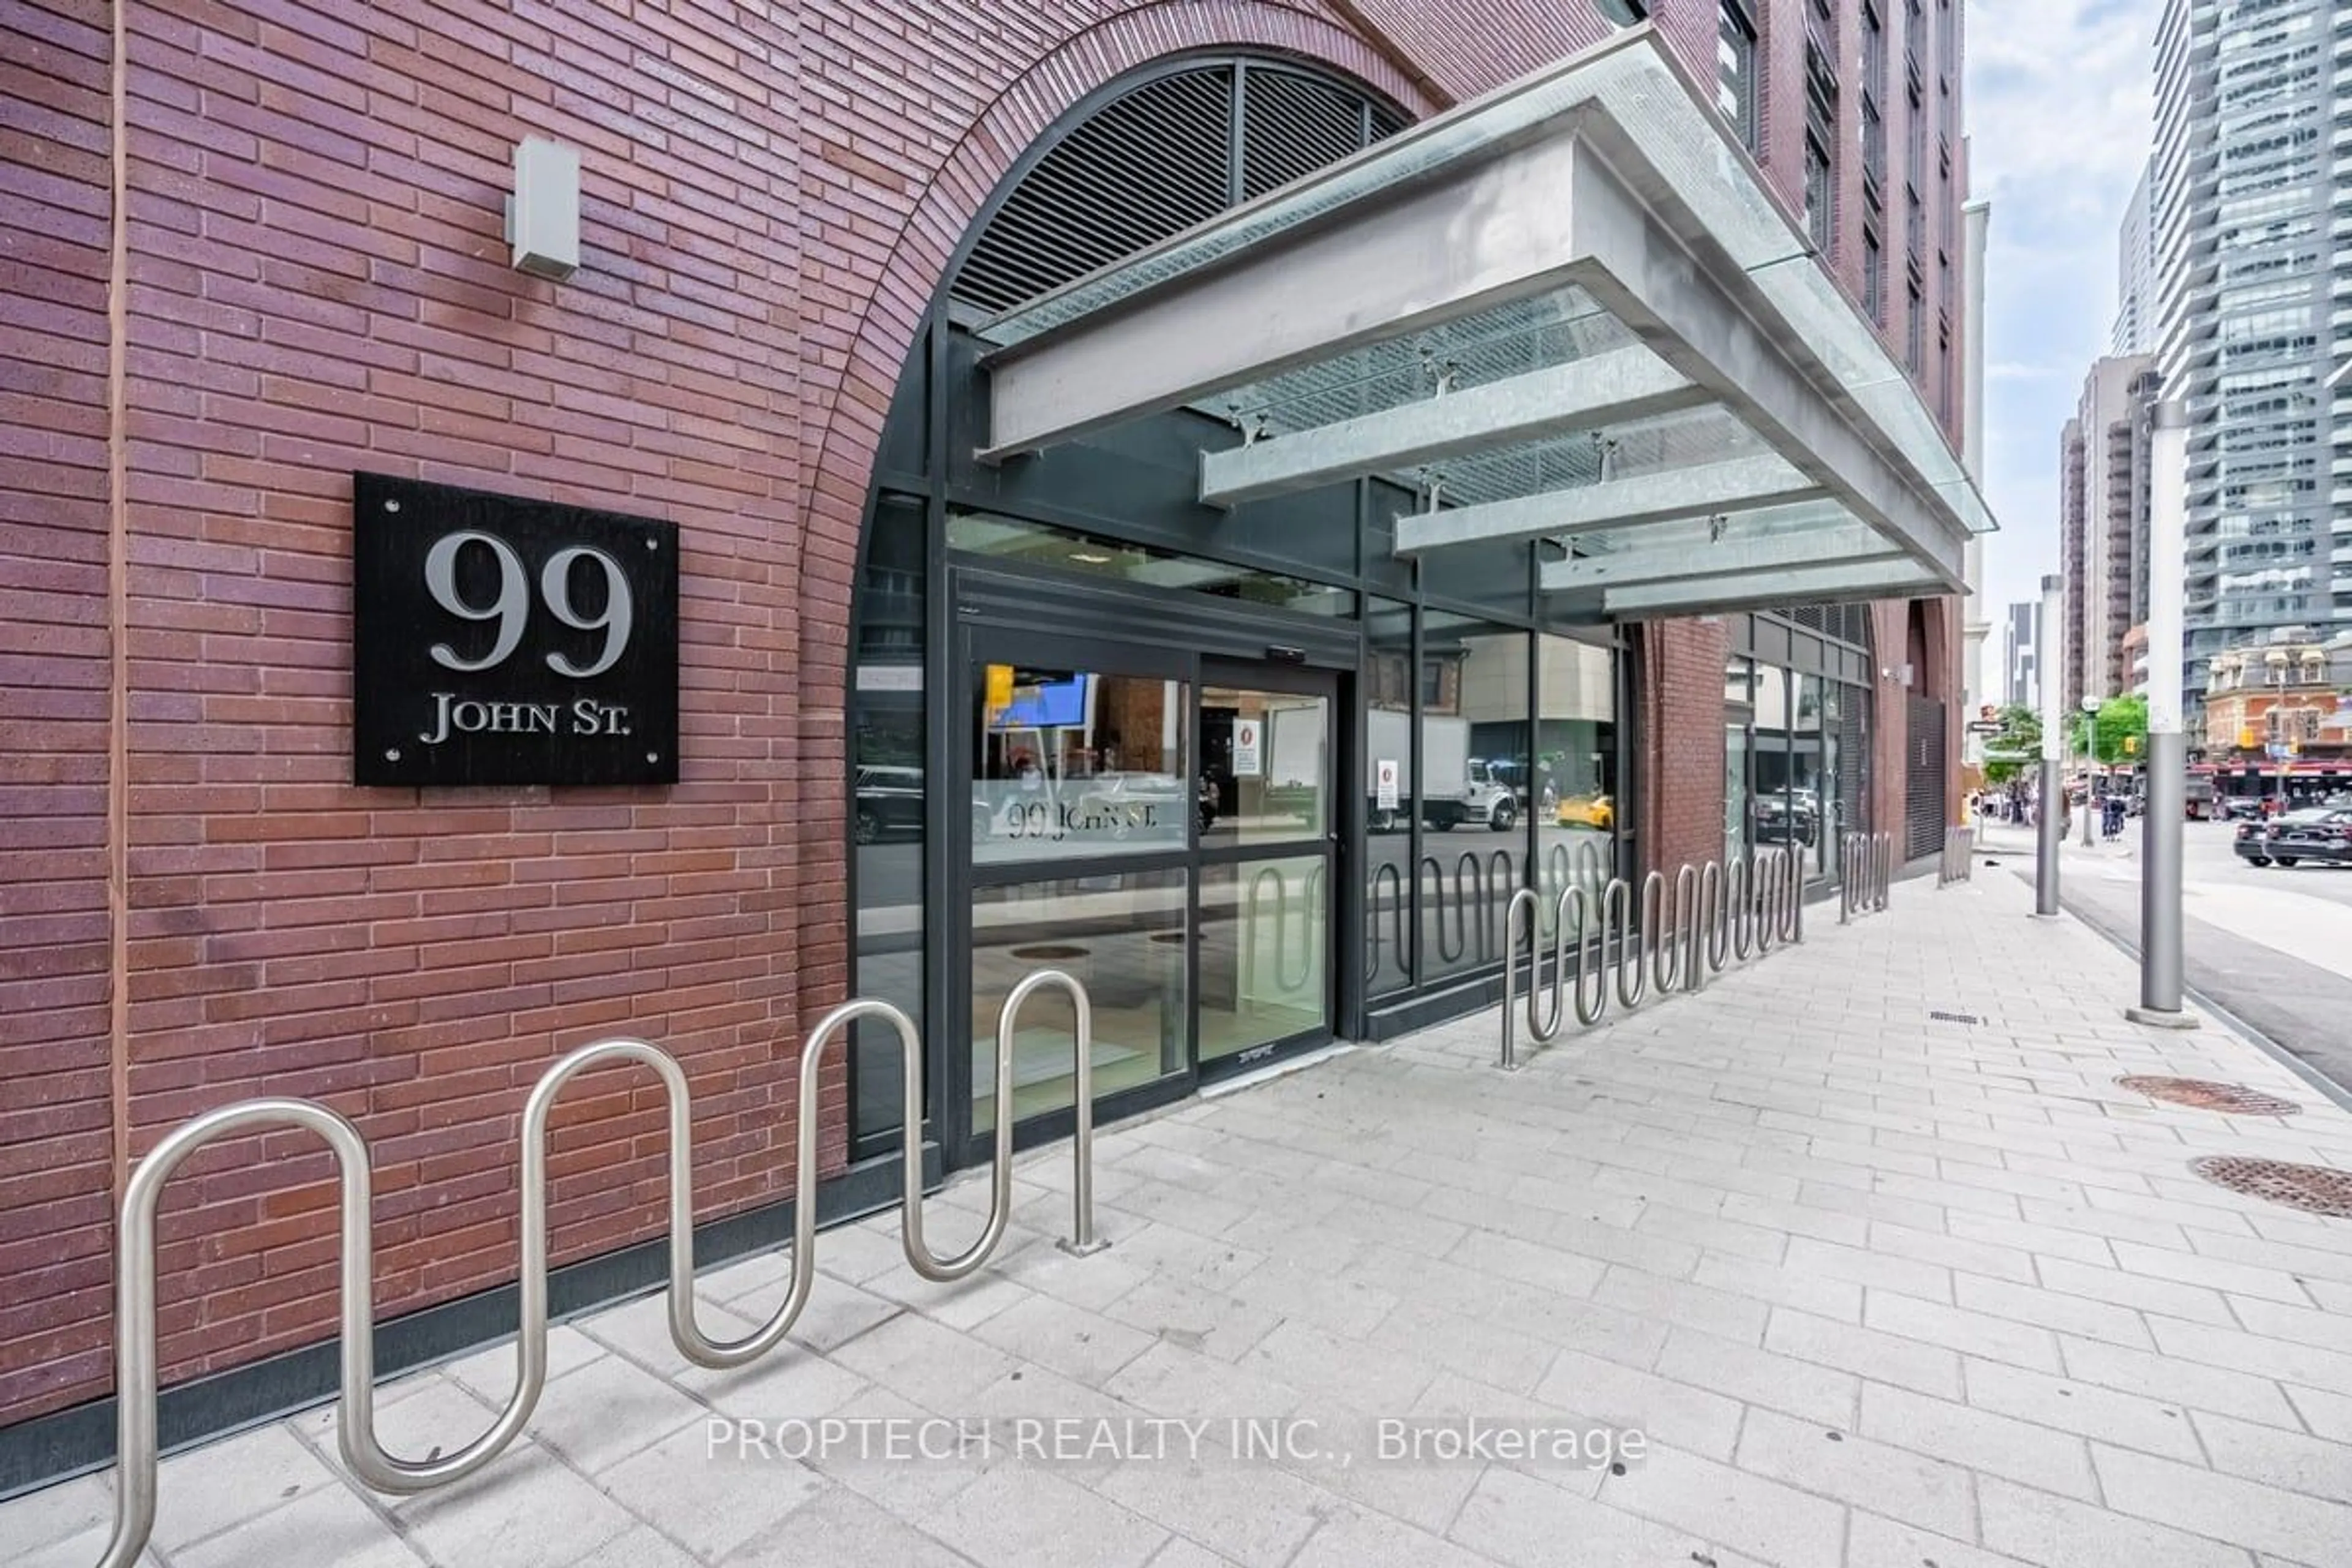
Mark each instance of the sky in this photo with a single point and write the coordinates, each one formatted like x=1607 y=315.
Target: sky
x=2060 y=98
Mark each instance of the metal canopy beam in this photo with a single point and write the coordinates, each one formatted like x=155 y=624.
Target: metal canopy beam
x=1608 y=173
x=1611 y=388
x=1800 y=585
x=1665 y=497
x=1649 y=281
x=1500 y=232
x=1850 y=543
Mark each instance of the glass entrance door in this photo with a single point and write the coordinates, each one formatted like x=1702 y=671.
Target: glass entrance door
x=1078 y=856
x=1270 y=826
x=1159 y=826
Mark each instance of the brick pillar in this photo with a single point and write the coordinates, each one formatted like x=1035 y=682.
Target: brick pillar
x=1681 y=741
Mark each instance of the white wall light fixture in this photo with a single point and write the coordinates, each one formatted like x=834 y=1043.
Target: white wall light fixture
x=543 y=214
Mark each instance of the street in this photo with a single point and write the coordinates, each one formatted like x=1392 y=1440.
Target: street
x=2271 y=944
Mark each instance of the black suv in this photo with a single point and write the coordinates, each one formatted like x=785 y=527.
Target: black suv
x=2316 y=833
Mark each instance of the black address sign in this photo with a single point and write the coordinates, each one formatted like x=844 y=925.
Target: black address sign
x=499 y=641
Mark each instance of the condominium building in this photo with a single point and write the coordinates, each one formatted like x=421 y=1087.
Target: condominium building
x=2253 y=206
x=2020 y=654
x=2136 y=296
x=2103 y=491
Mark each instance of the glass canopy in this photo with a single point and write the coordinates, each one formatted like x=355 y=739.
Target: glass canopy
x=1566 y=311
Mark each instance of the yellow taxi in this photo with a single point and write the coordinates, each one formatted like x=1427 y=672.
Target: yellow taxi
x=1588 y=811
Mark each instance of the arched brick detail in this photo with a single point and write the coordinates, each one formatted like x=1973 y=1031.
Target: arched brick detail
x=838 y=457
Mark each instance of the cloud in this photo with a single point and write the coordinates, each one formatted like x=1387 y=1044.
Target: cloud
x=2061 y=121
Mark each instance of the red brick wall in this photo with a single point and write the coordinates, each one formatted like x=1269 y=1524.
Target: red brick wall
x=1936 y=676
x=1682 y=744
x=316 y=283
x=57 y=1114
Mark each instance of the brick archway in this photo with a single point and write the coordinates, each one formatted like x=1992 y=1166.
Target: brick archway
x=838 y=456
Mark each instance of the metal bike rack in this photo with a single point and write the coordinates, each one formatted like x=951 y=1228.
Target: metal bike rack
x=1960 y=858
x=1619 y=914
x=136 y=1370
x=1677 y=964
x=1436 y=885
x=1719 y=914
x=1865 y=869
x=1542 y=1025
x=1496 y=861
x=1082 y=1240
x=1771 y=871
x=1397 y=909
x=1281 y=929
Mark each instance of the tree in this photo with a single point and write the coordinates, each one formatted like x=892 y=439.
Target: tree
x=2122 y=718
x=2016 y=748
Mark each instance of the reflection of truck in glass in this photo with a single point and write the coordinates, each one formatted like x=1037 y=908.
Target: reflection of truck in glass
x=2200 y=794
x=1454 y=788
x=1293 y=768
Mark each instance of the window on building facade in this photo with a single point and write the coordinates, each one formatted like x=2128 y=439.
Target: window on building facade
x=1873 y=97
x=1945 y=372
x=1873 y=276
x=1820 y=136
x=1818 y=197
x=1915 y=146
x=1735 y=90
x=1914 y=348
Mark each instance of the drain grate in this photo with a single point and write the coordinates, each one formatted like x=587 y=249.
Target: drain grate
x=2234 y=1099
x=1943 y=1018
x=2314 y=1189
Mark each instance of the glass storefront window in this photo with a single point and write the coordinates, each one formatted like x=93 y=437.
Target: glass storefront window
x=1574 y=793
x=1474 y=791
x=1739 y=715
x=1810 y=791
x=886 y=799
x=1268 y=756
x=1122 y=937
x=1075 y=763
x=1265 y=938
x=1016 y=539
x=1388 y=797
x=1774 y=810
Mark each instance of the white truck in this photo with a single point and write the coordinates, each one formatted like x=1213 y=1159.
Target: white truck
x=1455 y=789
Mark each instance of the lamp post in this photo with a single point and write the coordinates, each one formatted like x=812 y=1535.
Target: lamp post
x=2050 y=815
x=2090 y=760
x=2167 y=747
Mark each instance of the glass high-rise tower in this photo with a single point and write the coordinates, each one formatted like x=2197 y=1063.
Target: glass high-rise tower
x=2254 y=210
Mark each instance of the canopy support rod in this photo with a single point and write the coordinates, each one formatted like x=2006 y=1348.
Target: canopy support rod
x=1612 y=388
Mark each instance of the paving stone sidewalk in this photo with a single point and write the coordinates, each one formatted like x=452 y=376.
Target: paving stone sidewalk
x=1878 y=1289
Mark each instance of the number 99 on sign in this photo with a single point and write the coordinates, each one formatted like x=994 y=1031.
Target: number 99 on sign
x=508 y=640
x=511 y=606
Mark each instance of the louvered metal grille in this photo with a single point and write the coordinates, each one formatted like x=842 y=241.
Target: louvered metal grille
x=1154 y=163
x=1293 y=125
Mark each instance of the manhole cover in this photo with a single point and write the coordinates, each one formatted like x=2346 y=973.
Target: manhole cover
x=1048 y=952
x=2314 y=1189
x=2235 y=1099
x=1954 y=1017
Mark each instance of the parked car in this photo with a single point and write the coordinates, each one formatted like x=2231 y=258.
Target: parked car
x=889 y=803
x=1586 y=811
x=2319 y=834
